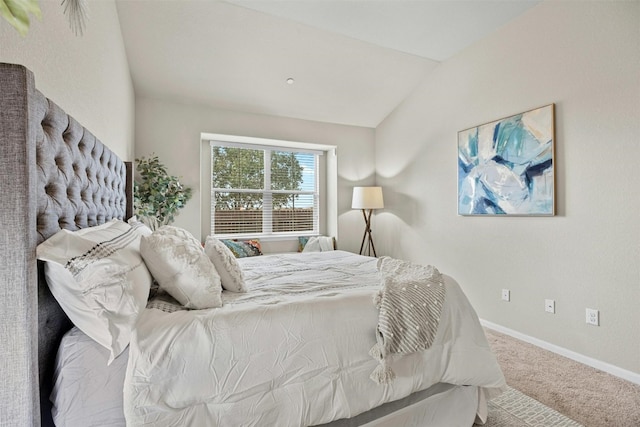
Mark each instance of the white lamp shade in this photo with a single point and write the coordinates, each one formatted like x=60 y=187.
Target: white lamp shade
x=367 y=198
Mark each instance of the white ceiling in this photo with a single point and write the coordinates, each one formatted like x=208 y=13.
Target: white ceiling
x=353 y=61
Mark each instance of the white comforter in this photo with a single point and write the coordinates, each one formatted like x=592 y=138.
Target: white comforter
x=293 y=351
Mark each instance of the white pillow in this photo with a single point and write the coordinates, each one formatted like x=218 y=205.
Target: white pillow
x=99 y=279
x=97 y=231
x=141 y=226
x=180 y=266
x=313 y=245
x=319 y=244
x=226 y=264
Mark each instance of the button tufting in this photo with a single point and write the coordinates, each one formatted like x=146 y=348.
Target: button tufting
x=79 y=221
x=83 y=180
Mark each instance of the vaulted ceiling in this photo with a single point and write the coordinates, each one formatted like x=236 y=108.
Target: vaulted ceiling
x=352 y=61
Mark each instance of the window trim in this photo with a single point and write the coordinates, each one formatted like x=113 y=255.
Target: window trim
x=327 y=183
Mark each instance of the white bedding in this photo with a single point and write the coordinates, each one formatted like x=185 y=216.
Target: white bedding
x=292 y=351
x=87 y=392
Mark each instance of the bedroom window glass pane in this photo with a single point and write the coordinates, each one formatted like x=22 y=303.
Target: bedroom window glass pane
x=237 y=213
x=263 y=192
x=237 y=168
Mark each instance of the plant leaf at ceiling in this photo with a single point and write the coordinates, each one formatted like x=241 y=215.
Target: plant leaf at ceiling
x=16 y=13
x=76 y=11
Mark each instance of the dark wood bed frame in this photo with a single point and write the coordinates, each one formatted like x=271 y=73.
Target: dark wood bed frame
x=54 y=174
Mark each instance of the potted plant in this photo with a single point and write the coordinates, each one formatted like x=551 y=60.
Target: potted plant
x=157 y=196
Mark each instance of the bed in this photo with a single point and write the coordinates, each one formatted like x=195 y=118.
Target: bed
x=55 y=175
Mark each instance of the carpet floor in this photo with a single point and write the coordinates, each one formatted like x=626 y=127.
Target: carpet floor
x=579 y=394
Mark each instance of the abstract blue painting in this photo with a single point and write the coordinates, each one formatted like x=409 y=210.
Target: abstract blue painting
x=506 y=167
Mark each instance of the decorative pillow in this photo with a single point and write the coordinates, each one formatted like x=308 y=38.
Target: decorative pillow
x=97 y=232
x=243 y=248
x=99 y=279
x=177 y=261
x=140 y=226
x=226 y=265
x=144 y=229
x=302 y=242
x=319 y=244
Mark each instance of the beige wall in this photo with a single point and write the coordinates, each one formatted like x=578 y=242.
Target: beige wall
x=172 y=131
x=88 y=76
x=582 y=56
x=585 y=58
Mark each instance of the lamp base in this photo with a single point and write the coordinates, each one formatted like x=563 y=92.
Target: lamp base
x=367 y=240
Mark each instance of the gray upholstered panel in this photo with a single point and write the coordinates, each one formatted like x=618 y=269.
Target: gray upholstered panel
x=18 y=290
x=54 y=174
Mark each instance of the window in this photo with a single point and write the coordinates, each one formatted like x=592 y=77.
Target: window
x=259 y=190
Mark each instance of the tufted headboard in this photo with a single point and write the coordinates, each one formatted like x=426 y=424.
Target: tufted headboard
x=54 y=174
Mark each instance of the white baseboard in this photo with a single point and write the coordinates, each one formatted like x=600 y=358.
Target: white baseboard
x=589 y=361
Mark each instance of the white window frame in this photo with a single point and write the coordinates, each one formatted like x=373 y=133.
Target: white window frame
x=326 y=177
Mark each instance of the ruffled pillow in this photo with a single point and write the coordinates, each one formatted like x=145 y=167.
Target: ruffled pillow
x=180 y=266
x=226 y=264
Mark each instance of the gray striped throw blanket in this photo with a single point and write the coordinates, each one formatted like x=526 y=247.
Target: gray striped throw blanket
x=410 y=301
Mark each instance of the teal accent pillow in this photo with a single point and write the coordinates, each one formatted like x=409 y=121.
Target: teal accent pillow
x=302 y=242
x=243 y=248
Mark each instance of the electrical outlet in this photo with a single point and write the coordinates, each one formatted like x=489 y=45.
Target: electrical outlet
x=506 y=295
x=549 y=306
x=593 y=317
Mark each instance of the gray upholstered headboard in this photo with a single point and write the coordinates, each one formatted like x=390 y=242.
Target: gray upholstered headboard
x=54 y=174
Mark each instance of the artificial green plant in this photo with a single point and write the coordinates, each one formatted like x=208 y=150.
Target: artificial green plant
x=157 y=196
x=16 y=13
